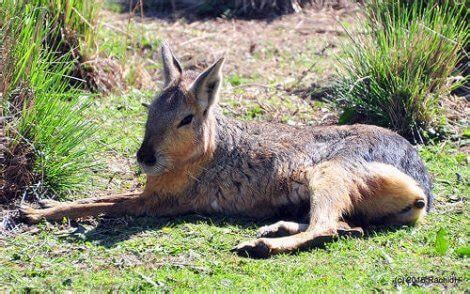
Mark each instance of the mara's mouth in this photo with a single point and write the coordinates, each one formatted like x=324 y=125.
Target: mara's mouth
x=152 y=170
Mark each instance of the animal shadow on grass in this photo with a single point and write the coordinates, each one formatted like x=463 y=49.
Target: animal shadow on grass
x=109 y=232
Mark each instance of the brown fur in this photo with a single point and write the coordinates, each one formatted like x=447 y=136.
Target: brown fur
x=199 y=161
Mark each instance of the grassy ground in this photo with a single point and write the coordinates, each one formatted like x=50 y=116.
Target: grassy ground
x=192 y=253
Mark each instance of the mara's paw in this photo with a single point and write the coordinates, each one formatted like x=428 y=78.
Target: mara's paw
x=31 y=215
x=48 y=203
x=254 y=249
x=281 y=229
x=274 y=230
x=356 y=232
x=267 y=231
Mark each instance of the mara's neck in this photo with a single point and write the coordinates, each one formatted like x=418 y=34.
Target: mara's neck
x=176 y=181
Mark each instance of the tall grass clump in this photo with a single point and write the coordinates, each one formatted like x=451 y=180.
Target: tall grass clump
x=48 y=141
x=396 y=73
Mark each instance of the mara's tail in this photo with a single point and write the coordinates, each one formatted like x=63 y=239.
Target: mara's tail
x=389 y=196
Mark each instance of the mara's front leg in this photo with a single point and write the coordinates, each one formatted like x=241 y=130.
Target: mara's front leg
x=74 y=210
x=49 y=203
x=124 y=205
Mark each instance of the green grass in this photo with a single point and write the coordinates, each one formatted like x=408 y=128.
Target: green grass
x=395 y=74
x=76 y=18
x=47 y=110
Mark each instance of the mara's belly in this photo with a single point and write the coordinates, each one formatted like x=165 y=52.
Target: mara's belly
x=290 y=200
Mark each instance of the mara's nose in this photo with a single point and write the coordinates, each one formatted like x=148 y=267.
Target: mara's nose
x=146 y=157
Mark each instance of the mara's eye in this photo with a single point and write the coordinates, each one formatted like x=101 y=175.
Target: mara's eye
x=187 y=120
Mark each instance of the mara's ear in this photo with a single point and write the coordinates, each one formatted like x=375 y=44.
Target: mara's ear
x=206 y=86
x=171 y=66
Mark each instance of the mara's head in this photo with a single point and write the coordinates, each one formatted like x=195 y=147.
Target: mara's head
x=180 y=124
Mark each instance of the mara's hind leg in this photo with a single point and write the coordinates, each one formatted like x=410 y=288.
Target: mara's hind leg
x=329 y=195
x=376 y=192
x=128 y=204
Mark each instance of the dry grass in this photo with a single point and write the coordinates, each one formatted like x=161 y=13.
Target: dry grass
x=280 y=60
x=104 y=75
